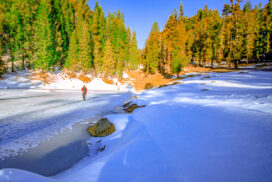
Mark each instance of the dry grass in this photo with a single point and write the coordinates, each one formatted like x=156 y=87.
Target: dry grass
x=50 y=78
x=84 y=79
x=190 y=69
x=107 y=80
x=141 y=81
x=42 y=76
x=138 y=79
x=70 y=74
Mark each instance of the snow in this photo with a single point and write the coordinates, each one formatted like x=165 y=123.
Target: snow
x=95 y=84
x=215 y=128
x=185 y=134
x=18 y=80
x=58 y=80
x=264 y=65
x=30 y=117
x=16 y=175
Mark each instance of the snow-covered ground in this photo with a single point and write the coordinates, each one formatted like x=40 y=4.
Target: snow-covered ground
x=35 y=124
x=215 y=127
x=58 y=80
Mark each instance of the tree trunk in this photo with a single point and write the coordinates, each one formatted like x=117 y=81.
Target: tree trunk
x=28 y=62
x=235 y=64
x=23 y=62
x=12 y=66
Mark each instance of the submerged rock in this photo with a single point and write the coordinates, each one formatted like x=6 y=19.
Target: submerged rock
x=102 y=128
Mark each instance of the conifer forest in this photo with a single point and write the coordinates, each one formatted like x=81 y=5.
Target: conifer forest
x=52 y=35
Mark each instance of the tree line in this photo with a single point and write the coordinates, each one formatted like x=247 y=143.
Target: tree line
x=56 y=34
x=208 y=38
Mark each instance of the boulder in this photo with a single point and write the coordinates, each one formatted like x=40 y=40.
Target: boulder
x=102 y=128
x=127 y=104
x=132 y=107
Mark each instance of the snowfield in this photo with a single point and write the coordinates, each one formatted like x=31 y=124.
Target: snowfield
x=215 y=127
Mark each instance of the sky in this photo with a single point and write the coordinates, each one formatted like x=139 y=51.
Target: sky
x=141 y=14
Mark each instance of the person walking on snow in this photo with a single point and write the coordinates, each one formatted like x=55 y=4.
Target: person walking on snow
x=84 y=92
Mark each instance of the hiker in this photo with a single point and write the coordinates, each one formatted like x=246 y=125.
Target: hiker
x=84 y=92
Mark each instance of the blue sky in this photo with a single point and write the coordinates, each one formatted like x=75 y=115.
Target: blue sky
x=141 y=14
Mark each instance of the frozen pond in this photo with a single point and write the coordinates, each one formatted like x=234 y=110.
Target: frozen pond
x=54 y=155
x=45 y=131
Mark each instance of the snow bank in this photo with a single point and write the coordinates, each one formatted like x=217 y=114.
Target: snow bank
x=16 y=175
x=22 y=80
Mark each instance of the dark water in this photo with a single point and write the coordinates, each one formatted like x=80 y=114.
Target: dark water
x=53 y=156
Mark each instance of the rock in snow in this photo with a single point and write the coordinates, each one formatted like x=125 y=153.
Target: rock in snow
x=132 y=107
x=102 y=128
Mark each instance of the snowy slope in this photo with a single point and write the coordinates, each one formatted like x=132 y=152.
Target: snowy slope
x=210 y=128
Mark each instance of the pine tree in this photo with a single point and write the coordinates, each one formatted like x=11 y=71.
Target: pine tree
x=62 y=16
x=267 y=21
x=214 y=29
x=98 y=28
x=79 y=54
x=259 y=43
x=2 y=17
x=72 y=59
x=118 y=34
x=236 y=23
x=152 y=50
x=248 y=31
x=179 y=57
x=84 y=41
x=14 y=32
x=134 y=57
x=108 y=59
x=45 y=40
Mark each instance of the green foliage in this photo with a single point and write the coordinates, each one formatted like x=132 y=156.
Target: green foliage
x=46 y=34
x=98 y=28
x=108 y=59
x=84 y=53
x=176 y=63
x=2 y=17
x=207 y=38
x=119 y=36
x=72 y=59
x=155 y=28
x=152 y=50
x=51 y=34
x=46 y=51
x=134 y=56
